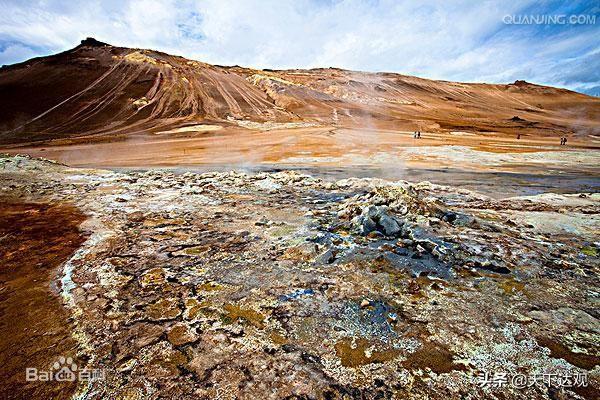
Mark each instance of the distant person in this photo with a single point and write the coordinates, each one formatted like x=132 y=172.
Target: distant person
x=415 y=135
x=565 y=141
x=518 y=136
x=418 y=134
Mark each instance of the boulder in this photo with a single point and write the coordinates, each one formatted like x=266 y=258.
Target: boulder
x=377 y=218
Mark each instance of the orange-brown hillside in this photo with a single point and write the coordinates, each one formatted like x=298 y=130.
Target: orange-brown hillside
x=99 y=89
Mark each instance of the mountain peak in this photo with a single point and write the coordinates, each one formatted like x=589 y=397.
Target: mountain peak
x=520 y=82
x=90 y=41
x=141 y=90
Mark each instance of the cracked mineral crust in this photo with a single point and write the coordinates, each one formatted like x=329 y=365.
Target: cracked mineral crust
x=279 y=285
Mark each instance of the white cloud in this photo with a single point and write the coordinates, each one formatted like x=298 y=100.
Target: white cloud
x=17 y=52
x=460 y=40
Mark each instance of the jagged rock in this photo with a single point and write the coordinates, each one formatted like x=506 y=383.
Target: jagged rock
x=377 y=218
x=263 y=221
x=329 y=256
x=566 y=318
x=450 y=217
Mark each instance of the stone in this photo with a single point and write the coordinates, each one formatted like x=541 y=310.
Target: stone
x=390 y=225
x=155 y=276
x=329 y=256
x=449 y=217
x=180 y=334
x=263 y=221
x=377 y=218
x=163 y=309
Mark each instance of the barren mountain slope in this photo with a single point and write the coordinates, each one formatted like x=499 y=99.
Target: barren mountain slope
x=97 y=89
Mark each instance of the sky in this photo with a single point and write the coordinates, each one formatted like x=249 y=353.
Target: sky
x=553 y=43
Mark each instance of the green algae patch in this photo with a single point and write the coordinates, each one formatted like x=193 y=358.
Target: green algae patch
x=590 y=251
x=248 y=315
x=277 y=338
x=433 y=356
x=164 y=309
x=209 y=287
x=196 y=251
x=512 y=286
x=356 y=352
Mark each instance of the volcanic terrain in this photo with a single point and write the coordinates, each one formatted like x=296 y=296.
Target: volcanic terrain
x=97 y=89
x=192 y=231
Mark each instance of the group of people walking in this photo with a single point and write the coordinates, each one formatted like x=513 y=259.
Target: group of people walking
x=563 y=140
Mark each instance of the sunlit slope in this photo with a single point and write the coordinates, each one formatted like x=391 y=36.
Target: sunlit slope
x=98 y=89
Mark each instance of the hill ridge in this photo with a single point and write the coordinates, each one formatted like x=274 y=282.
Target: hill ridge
x=101 y=89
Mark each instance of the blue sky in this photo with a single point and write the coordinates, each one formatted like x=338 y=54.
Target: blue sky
x=452 y=40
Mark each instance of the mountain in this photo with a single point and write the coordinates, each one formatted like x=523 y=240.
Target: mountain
x=102 y=90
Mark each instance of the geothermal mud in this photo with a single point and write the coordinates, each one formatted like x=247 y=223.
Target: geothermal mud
x=36 y=239
x=283 y=285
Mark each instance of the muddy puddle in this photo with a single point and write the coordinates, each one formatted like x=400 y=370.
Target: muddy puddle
x=35 y=328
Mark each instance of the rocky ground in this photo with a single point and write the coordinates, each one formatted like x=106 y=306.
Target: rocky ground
x=282 y=285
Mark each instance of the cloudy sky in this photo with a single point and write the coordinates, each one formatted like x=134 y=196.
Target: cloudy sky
x=472 y=41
